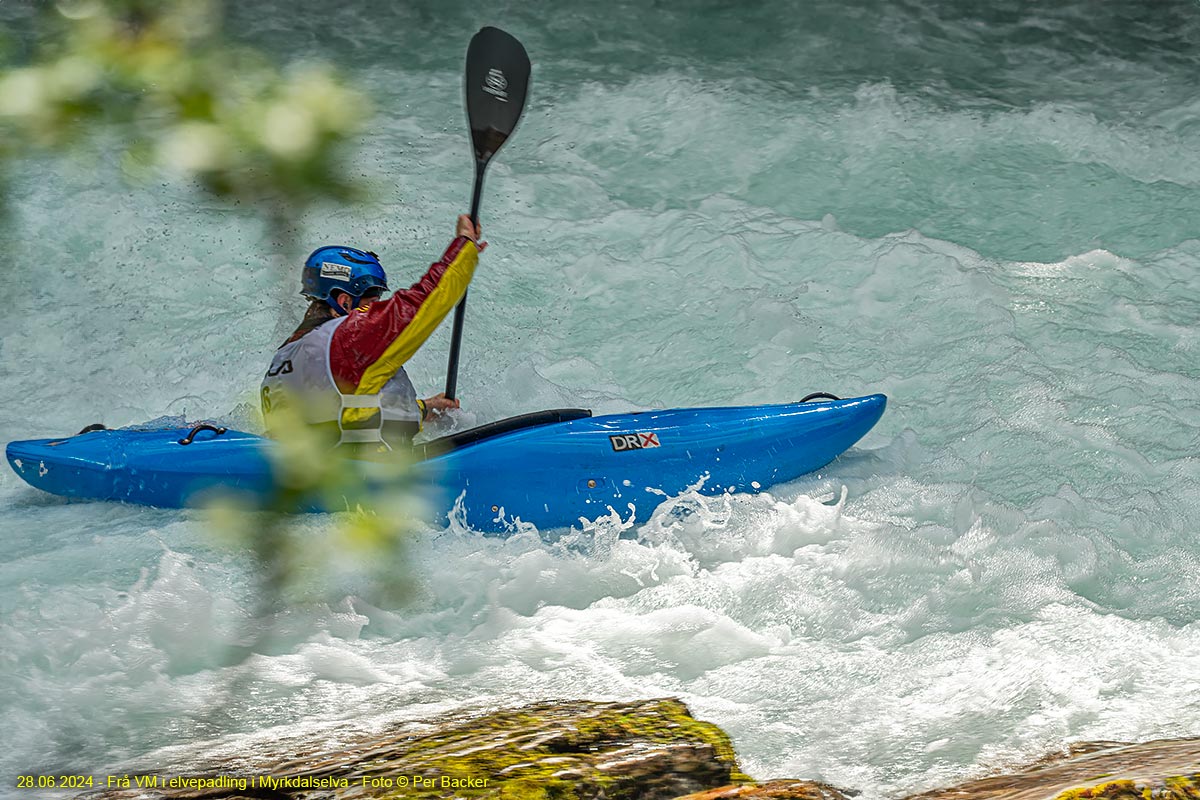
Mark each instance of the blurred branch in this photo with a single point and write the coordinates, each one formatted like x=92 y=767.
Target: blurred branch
x=187 y=102
x=200 y=107
x=376 y=495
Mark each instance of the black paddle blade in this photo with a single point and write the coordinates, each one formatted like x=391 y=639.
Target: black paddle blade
x=497 y=77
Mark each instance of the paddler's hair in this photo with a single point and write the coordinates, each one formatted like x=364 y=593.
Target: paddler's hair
x=318 y=313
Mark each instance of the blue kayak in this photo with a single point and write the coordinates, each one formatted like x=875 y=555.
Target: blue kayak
x=552 y=469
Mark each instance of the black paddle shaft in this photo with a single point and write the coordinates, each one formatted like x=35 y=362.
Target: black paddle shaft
x=497 y=77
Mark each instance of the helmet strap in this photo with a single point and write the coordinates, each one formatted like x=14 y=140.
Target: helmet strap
x=337 y=307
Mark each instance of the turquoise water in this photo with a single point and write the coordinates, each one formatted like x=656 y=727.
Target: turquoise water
x=985 y=211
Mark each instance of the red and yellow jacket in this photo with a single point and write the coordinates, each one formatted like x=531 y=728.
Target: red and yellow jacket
x=375 y=342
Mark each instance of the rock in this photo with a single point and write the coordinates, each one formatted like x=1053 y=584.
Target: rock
x=1168 y=769
x=648 y=750
x=771 y=790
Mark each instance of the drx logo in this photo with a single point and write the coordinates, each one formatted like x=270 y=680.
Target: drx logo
x=634 y=441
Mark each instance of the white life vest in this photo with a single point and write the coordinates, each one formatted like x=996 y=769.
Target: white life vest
x=300 y=369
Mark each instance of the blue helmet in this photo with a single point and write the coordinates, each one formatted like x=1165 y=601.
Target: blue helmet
x=340 y=268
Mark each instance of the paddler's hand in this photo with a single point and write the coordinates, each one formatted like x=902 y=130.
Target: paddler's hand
x=438 y=404
x=470 y=230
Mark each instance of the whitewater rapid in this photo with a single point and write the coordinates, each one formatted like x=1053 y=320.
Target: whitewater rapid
x=1001 y=240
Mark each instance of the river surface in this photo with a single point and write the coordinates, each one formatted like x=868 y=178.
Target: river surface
x=987 y=211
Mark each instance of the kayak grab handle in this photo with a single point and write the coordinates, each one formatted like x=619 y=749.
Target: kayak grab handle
x=819 y=396
x=192 y=435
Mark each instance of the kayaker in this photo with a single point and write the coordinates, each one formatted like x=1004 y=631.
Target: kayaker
x=343 y=368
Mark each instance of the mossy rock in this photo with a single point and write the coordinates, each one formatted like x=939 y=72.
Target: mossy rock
x=565 y=751
x=1183 y=787
x=647 y=750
